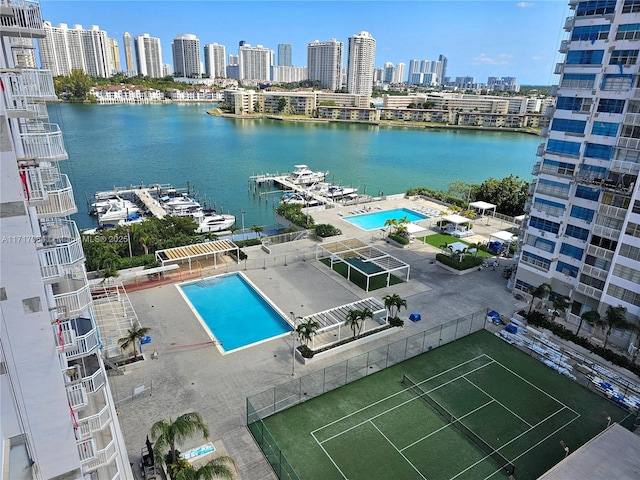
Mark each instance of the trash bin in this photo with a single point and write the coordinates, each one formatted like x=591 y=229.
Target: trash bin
x=415 y=317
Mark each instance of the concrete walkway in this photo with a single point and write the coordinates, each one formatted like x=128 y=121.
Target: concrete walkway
x=191 y=374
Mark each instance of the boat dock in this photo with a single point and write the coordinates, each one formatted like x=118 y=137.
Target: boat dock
x=288 y=186
x=151 y=204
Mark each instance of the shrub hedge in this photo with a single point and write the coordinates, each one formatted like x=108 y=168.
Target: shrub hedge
x=467 y=263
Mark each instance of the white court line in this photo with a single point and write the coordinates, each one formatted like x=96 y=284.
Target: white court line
x=404 y=390
x=499 y=403
x=392 y=408
x=330 y=457
x=535 y=386
x=399 y=451
x=447 y=425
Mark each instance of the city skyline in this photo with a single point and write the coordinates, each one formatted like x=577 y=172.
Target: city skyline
x=403 y=30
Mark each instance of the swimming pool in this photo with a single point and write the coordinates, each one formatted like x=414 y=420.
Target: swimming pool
x=233 y=312
x=375 y=220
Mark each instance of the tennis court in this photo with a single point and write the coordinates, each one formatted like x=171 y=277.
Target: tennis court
x=473 y=409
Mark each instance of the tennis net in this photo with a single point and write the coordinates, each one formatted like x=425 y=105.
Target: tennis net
x=417 y=390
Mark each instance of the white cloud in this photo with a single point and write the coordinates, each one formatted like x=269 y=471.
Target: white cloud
x=525 y=4
x=537 y=58
x=483 y=59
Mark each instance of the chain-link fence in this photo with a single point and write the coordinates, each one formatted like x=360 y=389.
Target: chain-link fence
x=281 y=397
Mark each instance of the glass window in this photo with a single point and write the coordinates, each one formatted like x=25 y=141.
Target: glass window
x=582 y=213
x=587 y=193
x=617 y=82
x=561 y=168
x=578 y=80
x=610 y=105
x=596 y=7
x=607 y=129
x=549 y=187
x=569 y=126
x=633 y=229
x=563 y=147
x=584 y=57
x=623 y=294
x=631 y=6
x=537 y=260
x=623 y=57
x=602 y=152
x=541 y=243
x=574 y=104
x=590 y=33
x=630 y=31
x=576 y=232
x=593 y=172
x=543 y=224
x=572 y=251
x=567 y=269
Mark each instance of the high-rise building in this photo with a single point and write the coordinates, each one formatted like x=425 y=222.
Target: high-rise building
x=114 y=55
x=254 y=63
x=64 y=49
x=581 y=233
x=233 y=68
x=186 y=56
x=443 y=73
x=58 y=415
x=214 y=60
x=288 y=74
x=128 y=53
x=324 y=63
x=148 y=56
x=284 y=55
x=398 y=75
x=360 y=60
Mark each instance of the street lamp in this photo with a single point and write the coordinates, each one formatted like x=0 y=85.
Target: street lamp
x=293 y=344
x=242 y=212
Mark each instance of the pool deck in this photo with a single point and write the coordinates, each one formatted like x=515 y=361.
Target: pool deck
x=190 y=374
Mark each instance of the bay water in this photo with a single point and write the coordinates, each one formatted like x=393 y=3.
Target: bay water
x=180 y=144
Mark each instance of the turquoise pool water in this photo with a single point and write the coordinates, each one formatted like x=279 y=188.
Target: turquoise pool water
x=375 y=220
x=234 y=312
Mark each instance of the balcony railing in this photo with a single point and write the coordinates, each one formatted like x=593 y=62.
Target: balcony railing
x=60 y=248
x=77 y=396
x=600 y=252
x=94 y=423
x=552 y=191
x=549 y=210
x=625 y=167
x=72 y=298
x=38 y=84
x=554 y=91
x=95 y=382
x=606 y=232
x=43 y=141
x=559 y=69
x=21 y=18
x=594 y=272
x=589 y=291
x=629 y=143
x=540 y=150
x=569 y=23
x=61 y=202
x=93 y=459
x=536 y=168
x=564 y=46
x=611 y=211
x=33 y=185
x=74 y=346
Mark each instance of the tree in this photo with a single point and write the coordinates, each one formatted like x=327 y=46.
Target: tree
x=393 y=304
x=508 y=195
x=307 y=330
x=541 y=291
x=354 y=320
x=167 y=433
x=78 y=84
x=134 y=335
x=219 y=467
x=635 y=329
x=257 y=230
x=461 y=190
x=561 y=303
x=614 y=317
x=282 y=104
x=592 y=317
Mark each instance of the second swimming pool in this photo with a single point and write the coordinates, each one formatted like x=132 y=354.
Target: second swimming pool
x=375 y=220
x=235 y=314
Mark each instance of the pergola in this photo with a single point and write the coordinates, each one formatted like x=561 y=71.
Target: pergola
x=197 y=250
x=335 y=318
x=361 y=257
x=456 y=220
x=483 y=207
x=503 y=236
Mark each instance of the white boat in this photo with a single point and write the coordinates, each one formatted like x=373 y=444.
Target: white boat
x=131 y=219
x=116 y=210
x=336 y=192
x=303 y=175
x=216 y=223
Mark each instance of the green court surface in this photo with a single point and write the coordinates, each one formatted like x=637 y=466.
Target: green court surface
x=375 y=282
x=477 y=407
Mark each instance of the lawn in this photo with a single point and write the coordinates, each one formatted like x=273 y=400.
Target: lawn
x=439 y=239
x=380 y=428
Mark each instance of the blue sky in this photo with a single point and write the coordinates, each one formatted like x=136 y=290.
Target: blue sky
x=480 y=38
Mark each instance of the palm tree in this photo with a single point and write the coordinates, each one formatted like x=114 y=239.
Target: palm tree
x=614 y=317
x=219 y=467
x=391 y=222
x=365 y=313
x=541 y=291
x=353 y=319
x=592 y=317
x=166 y=433
x=307 y=330
x=257 y=230
x=134 y=335
x=635 y=329
x=561 y=303
x=393 y=304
